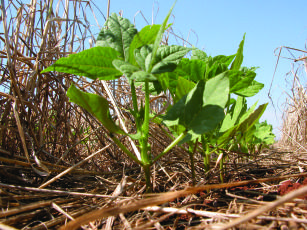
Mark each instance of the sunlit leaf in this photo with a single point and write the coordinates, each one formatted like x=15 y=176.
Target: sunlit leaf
x=199 y=55
x=251 y=90
x=92 y=63
x=117 y=33
x=141 y=54
x=239 y=56
x=167 y=58
x=146 y=36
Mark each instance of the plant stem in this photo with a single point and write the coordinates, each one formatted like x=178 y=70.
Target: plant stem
x=135 y=105
x=207 y=155
x=145 y=128
x=147 y=178
x=172 y=145
x=145 y=155
x=207 y=161
x=222 y=169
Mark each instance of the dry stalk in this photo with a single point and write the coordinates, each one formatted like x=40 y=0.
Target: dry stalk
x=166 y=197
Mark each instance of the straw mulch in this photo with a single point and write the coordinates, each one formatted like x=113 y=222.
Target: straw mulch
x=294 y=128
x=59 y=168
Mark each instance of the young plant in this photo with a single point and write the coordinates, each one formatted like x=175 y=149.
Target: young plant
x=200 y=87
x=122 y=50
x=203 y=69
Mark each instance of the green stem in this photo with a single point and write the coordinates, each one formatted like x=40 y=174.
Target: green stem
x=207 y=155
x=145 y=128
x=172 y=145
x=122 y=147
x=145 y=155
x=207 y=161
x=135 y=105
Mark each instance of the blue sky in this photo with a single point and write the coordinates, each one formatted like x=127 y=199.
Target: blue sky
x=217 y=27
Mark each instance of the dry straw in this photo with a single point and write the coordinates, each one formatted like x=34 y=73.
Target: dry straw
x=294 y=126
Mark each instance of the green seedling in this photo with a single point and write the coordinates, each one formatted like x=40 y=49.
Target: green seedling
x=201 y=109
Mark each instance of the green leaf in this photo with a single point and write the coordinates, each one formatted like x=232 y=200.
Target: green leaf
x=167 y=58
x=253 y=118
x=184 y=86
x=251 y=90
x=141 y=55
x=118 y=33
x=202 y=109
x=240 y=107
x=193 y=104
x=222 y=59
x=175 y=114
x=217 y=65
x=246 y=122
x=135 y=136
x=239 y=56
x=146 y=36
x=199 y=55
x=240 y=80
x=125 y=67
x=92 y=63
x=206 y=120
x=96 y=105
x=141 y=76
x=193 y=70
x=231 y=118
x=248 y=113
x=217 y=90
x=264 y=133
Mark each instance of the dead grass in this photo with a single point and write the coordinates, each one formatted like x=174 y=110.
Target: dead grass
x=58 y=163
x=294 y=125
